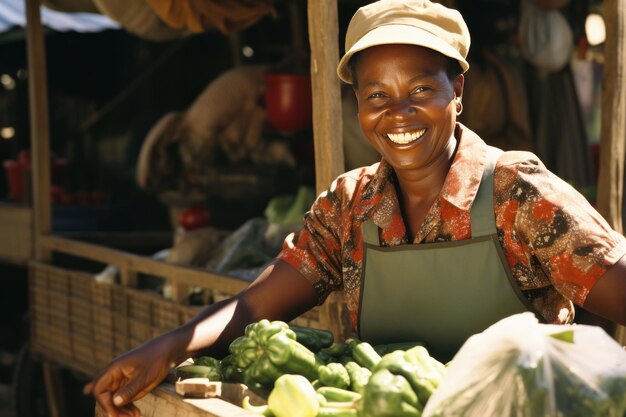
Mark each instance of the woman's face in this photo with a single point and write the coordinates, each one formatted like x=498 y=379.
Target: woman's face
x=406 y=103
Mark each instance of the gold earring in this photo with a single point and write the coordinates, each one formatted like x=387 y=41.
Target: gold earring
x=459 y=106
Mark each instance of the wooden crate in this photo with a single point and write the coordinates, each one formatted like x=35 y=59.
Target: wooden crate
x=83 y=324
x=49 y=305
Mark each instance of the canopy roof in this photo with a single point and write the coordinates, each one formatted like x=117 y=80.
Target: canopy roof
x=13 y=15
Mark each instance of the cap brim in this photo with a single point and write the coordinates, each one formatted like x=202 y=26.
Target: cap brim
x=398 y=34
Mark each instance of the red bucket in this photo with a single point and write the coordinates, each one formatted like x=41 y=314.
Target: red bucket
x=288 y=101
x=15 y=179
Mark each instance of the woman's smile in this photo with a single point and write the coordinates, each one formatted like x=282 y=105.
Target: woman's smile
x=406 y=137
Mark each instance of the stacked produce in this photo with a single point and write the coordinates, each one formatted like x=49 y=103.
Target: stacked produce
x=517 y=367
x=306 y=374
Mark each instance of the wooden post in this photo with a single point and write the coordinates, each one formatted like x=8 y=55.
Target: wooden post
x=297 y=30
x=613 y=130
x=39 y=124
x=327 y=123
x=40 y=165
x=54 y=390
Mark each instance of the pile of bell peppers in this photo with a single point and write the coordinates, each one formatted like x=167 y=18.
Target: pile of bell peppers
x=306 y=374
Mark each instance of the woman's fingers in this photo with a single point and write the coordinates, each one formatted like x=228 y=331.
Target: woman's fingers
x=106 y=402
x=131 y=391
x=130 y=410
x=104 y=388
x=88 y=388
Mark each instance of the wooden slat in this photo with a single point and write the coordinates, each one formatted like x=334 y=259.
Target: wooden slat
x=125 y=261
x=613 y=130
x=327 y=122
x=39 y=123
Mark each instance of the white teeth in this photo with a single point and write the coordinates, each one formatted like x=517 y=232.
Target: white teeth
x=404 y=138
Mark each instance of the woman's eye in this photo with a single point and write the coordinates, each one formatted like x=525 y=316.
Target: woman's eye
x=375 y=95
x=419 y=89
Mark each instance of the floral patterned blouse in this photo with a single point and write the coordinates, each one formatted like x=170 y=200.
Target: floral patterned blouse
x=556 y=244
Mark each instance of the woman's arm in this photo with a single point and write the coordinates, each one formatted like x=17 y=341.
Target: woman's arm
x=279 y=293
x=607 y=298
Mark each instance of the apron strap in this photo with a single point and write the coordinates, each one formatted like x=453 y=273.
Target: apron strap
x=482 y=215
x=370 y=233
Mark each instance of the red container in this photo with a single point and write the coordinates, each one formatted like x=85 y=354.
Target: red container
x=58 y=167
x=15 y=179
x=288 y=101
x=18 y=175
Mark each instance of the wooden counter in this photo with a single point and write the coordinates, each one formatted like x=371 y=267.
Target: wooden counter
x=165 y=402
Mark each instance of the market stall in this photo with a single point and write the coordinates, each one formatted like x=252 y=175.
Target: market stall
x=81 y=324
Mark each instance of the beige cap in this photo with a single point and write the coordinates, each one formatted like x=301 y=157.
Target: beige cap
x=413 y=22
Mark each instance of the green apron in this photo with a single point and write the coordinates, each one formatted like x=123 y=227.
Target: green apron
x=439 y=293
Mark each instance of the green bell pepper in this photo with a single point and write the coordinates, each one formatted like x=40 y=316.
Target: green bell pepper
x=358 y=376
x=245 y=351
x=292 y=357
x=363 y=353
x=263 y=372
x=265 y=329
x=269 y=349
x=389 y=395
x=256 y=409
x=430 y=367
x=415 y=366
x=293 y=396
x=334 y=375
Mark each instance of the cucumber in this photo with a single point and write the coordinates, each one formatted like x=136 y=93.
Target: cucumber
x=198 y=371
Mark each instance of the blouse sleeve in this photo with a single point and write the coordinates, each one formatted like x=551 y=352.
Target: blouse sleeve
x=315 y=250
x=544 y=220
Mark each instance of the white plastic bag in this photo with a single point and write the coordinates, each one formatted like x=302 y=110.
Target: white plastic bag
x=521 y=368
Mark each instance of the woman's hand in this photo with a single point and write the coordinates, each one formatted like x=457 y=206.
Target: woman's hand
x=131 y=376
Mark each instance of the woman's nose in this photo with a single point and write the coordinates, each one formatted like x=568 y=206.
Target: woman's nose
x=400 y=109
